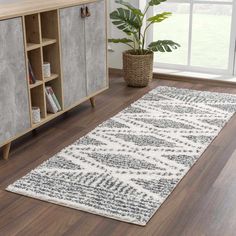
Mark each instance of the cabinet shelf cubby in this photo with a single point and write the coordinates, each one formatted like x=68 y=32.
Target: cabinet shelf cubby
x=42 y=45
x=49 y=25
x=32 y=29
x=35 y=60
x=56 y=87
x=38 y=99
x=51 y=55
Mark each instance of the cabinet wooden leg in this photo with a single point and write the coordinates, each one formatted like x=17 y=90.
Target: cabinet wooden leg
x=92 y=101
x=6 y=151
x=34 y=132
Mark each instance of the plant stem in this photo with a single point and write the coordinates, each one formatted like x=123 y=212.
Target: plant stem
x=139 y=37
x=130 y=46
x=134 y=43
x=146 y=10
x=144 y=35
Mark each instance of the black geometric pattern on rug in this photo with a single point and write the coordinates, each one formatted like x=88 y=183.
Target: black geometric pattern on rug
x=126 y=167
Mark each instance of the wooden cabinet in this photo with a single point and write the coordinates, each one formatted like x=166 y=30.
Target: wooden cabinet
x=83 y=46
x=75 y=47
x=14 y=99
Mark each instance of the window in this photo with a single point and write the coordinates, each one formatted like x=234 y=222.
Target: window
x=204 y=28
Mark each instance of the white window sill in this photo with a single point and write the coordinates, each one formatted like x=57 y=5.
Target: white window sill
x=180 y=74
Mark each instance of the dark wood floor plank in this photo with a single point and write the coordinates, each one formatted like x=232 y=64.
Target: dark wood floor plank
x=201 y=205
x=19 y=214
x=58 y=221
x=217 y=206
x=85 y=225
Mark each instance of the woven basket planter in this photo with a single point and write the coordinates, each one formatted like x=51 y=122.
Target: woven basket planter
x=138 y=69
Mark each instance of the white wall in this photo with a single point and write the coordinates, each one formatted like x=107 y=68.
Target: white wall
x=115 y=57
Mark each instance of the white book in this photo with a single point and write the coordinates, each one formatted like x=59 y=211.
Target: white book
x=51 y=106
x=50 y=91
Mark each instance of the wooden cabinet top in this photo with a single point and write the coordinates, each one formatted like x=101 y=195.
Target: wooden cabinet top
x=14 y=8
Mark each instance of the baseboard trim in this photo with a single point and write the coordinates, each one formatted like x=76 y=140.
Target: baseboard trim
x=162 y=76
x=194 y=80
x=114 y=71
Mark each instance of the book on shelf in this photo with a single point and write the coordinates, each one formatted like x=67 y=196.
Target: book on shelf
x=53 y=104
x=50 y=90
x=32 y=78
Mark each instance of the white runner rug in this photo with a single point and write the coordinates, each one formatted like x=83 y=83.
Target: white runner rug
x=126 y=167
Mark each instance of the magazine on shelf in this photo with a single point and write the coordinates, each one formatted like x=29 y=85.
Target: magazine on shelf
x=51 y=105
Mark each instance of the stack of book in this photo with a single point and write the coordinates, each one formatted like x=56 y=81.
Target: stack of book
x=32 y=78
x=53 y=106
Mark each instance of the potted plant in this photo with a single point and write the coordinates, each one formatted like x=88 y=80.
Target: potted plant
x=138 y=61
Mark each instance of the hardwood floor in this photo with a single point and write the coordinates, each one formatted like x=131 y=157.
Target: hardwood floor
x=202 y=204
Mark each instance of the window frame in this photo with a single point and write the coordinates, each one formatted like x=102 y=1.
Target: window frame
x=231 y=70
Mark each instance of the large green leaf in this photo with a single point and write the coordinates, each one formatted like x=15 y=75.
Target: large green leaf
x=135 y=10
x=126 y=20
x=159 y=17
x=163 y=46
x=122 y=40
x=155 y=2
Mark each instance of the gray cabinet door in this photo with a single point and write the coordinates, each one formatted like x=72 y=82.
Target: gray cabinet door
x=96 y=48
x=73 y=55
x=14 y=100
